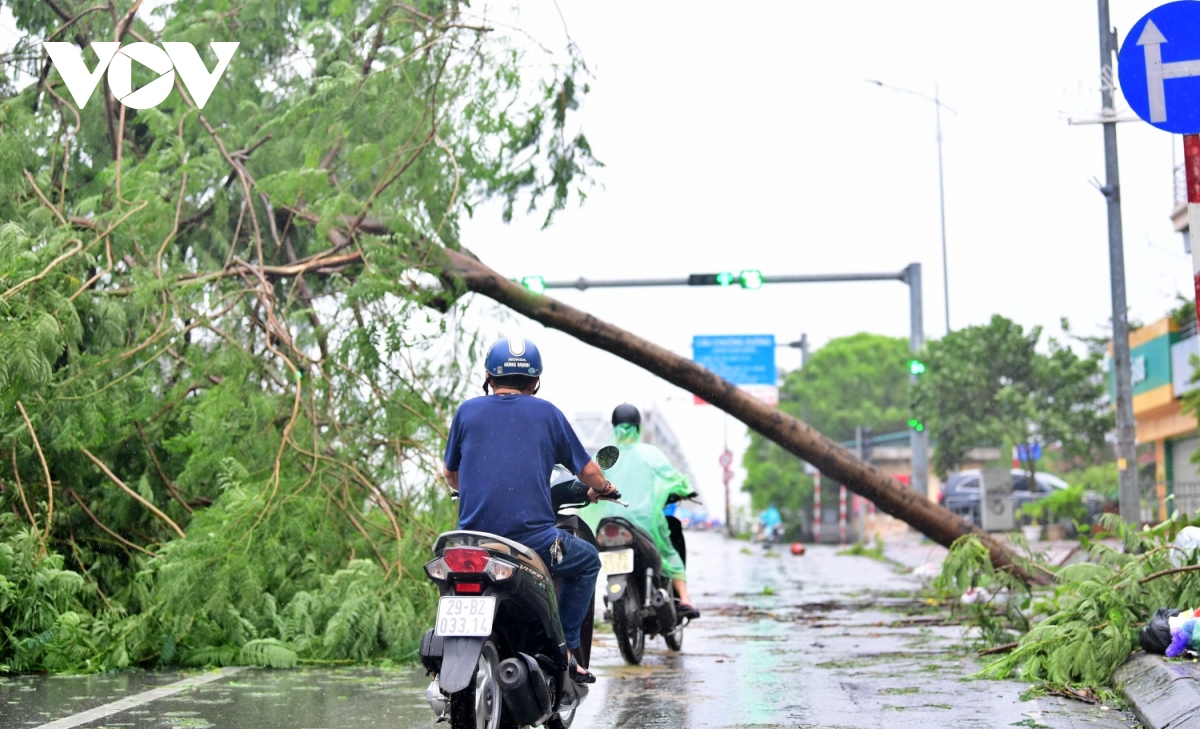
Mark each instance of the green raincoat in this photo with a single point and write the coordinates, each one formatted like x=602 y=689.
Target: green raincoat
x=646 y=479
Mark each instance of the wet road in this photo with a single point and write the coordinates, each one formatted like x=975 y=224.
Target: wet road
x=815 y=641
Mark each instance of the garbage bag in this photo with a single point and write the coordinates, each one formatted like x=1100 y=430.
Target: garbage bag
x=646 y=480
x=1156 y=634
x=1184 y=550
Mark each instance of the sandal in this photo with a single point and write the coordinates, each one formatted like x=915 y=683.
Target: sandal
x=583 y=678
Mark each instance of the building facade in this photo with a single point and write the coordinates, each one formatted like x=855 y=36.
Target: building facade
x=1162 y=372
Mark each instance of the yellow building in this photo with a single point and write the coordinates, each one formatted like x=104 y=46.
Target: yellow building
x=1160 y=358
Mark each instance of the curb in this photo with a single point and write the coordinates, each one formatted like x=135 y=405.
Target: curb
x=1162 y=694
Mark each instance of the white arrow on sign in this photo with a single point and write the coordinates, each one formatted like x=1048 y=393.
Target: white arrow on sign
x=1157 y=71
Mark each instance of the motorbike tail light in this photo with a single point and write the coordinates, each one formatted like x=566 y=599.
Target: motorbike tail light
x=468 y=588
x=437 y=570
x=466 y=559
x=498 y=569
x=614 y=535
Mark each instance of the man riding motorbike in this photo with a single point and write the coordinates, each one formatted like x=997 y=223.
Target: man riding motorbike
x=499 y=456
x=647 y=480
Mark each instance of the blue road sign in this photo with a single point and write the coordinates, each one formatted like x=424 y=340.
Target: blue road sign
x=1023 y=452
x=1159 y=67
x=742 y=359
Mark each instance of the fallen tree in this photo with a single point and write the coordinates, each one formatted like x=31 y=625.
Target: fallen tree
x=889 y=495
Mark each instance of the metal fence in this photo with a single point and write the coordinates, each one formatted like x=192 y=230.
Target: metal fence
x=1184 y=497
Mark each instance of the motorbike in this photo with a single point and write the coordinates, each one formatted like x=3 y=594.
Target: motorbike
x=497 y=653
x=641 y=600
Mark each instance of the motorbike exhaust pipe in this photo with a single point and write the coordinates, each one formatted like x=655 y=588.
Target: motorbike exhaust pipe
x=436 y=699
x=526 y=692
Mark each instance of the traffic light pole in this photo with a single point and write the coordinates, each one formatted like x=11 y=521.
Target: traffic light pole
x=911 y=275
x=918 y=439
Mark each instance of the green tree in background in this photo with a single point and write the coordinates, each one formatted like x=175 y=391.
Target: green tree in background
x=860 y=380
x=989 y=384
x=223 y=393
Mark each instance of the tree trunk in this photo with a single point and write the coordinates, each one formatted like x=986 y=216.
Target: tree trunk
x=889 y=495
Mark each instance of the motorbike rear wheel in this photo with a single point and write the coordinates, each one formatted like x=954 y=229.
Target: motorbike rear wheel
x=627 y=626
x=481 y=705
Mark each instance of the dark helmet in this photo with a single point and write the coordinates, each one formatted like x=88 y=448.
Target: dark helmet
x=513 y=356
x=626 y=413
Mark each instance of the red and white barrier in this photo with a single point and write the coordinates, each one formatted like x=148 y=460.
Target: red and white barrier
x=1191 y=166
x=842 y=514
x=817 y=508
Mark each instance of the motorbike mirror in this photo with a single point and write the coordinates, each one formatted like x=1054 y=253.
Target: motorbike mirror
x=607 y=457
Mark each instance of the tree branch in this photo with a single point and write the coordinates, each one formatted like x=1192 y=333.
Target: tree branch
x=1173 y=571
x=108 y=531
x=45 y=470
x=136 y=496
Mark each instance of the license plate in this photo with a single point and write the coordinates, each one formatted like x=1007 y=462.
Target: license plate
x=616 y=562
x=465 y=616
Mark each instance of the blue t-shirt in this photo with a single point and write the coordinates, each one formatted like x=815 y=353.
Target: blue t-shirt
x=504 y=448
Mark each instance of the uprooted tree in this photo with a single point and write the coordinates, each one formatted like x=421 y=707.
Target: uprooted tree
x=202 y=334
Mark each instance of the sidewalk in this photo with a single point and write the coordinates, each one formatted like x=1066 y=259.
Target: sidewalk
x=1163 y=694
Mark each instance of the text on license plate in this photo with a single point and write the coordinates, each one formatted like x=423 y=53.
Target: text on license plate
x=465 y=616
x=616 y=562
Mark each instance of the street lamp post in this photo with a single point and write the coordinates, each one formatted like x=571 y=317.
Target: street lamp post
x=937 y=103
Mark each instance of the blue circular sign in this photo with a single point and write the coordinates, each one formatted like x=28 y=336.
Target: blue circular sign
x=1159 y=67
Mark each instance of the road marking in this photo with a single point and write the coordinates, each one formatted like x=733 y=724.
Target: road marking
x=145 y=697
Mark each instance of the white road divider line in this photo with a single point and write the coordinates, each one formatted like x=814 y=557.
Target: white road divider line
x=145 y=697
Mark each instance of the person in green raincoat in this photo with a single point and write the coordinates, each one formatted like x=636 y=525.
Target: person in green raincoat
x=646 y=479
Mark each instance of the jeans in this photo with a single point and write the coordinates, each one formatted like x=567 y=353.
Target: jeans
x=578 y=571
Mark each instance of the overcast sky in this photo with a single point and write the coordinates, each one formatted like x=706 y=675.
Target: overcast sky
x=745 y=136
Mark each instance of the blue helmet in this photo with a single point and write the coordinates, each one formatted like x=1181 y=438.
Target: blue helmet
x=515 y=356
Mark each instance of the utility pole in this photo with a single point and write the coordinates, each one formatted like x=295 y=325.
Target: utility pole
x=1130 y=496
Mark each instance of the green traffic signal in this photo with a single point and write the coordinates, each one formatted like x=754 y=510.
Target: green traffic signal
x=536 y=284
x=725 y=278
x=916 y=425
x=916 y=367
x=751 y=279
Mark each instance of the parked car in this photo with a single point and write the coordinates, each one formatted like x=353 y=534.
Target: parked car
x=960 y=492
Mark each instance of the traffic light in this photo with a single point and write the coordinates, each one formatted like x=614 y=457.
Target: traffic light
x=866 y=443
x=916 y=425
x=916 y=367
x=751 y=279
x=748 y=279
x=536 y=284
x=724 y=278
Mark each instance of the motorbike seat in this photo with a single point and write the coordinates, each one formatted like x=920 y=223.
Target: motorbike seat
x=493 y=542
